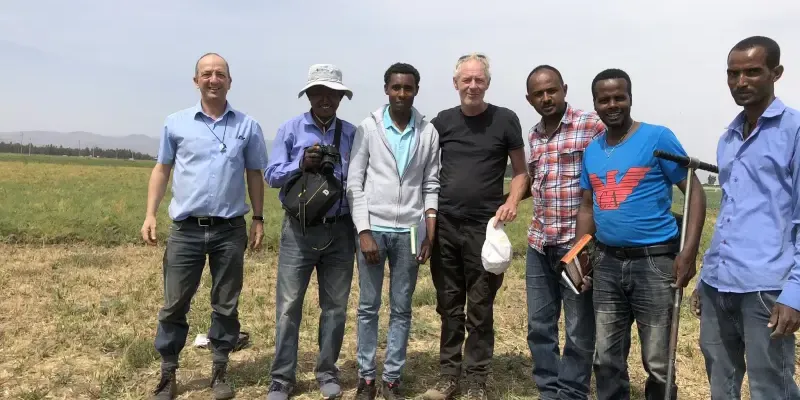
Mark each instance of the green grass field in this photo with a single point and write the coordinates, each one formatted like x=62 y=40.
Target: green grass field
x=82 y=293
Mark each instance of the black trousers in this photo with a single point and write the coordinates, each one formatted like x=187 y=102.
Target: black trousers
x=460 y=280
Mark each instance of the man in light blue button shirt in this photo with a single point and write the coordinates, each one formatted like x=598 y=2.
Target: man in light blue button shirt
x=212 y=147
x=749 y=291
x=327 y=245
x=394 y=181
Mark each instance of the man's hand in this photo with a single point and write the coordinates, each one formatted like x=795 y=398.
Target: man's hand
x=369 y=247
x=256 y=234
x=506 y=213
x=784 y=321
x=587 y=284
x=424 y=252
x=312 y=158
x=149 y=230
x=684 y=269
x=694 y=302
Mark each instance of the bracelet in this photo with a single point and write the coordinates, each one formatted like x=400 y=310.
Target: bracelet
x=430 y=215
x=258 y=218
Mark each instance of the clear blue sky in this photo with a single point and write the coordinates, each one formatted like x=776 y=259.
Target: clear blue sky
x=117 y=68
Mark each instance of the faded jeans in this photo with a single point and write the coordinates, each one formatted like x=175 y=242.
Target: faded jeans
x=299 y=256
x=403 y=270
x=734 y=338
x=628 y=290
x=557 y=376
x=185 y=255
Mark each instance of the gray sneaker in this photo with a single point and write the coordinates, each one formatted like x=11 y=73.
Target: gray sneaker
x=222 y=390
x=331 y=389
x=279 y=391
x=444 y=389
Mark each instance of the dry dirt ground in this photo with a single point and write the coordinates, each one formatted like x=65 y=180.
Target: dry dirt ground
x=77 y=322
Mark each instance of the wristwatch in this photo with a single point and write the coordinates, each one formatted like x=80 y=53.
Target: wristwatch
x=258 y=218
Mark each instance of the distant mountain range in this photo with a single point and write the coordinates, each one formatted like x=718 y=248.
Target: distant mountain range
x=138 y=143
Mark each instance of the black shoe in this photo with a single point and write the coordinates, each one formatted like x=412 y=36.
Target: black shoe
x=167 y=388
x=366 y=390
x=476 y=391
x=391 y=390
x=222 y=390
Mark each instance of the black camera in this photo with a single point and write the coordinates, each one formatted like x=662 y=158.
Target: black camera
x=330 y=156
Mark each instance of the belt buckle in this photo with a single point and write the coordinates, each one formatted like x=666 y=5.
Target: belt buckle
x=207 y=221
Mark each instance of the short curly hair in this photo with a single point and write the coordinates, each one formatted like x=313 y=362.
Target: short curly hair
x=401 y=68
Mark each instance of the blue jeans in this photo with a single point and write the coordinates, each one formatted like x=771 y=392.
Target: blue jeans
x=734 y=338
x=185 y=255
x=556 y=376
x=299 y=256
x=403 y=270
x=627 y=290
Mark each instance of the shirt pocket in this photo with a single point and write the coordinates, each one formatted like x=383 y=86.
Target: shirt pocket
x=538 y=170
x=234 y=149
x=570 y=163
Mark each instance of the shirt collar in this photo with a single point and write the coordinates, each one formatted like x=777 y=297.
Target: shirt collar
x=387 y=119
x=566 y=119
x=198 y=109
x=776 y=108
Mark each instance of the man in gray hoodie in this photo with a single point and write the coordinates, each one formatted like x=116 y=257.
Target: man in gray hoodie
x=393 y=192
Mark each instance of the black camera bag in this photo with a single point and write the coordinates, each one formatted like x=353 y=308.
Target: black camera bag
x=308 y=196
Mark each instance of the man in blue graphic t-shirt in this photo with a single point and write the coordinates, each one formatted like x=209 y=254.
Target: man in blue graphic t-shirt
x=627 y=200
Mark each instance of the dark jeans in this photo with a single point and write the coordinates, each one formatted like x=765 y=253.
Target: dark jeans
x=556 y=376
x=627 y=290
x=734 y=338
x=299 y=256
x=460 y=280
x=184 y=258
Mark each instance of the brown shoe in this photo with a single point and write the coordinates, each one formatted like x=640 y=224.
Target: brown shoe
x=167 y=387
x=476 y=391
x=222 y=390
x=444 y=389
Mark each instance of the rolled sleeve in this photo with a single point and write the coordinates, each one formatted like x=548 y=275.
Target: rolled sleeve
x=255 y=154
x=166 y=146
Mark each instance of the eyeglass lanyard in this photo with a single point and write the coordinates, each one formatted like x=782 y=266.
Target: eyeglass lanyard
x=222 y=146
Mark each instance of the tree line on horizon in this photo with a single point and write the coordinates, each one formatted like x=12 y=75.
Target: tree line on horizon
x=51 y=150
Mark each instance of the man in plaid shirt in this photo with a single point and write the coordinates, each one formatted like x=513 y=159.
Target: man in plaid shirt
x=557 y=143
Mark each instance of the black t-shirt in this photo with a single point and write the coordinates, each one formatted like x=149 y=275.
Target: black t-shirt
x=474 y=159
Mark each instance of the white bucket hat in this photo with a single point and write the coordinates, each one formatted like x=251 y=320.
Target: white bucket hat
x=326 y=75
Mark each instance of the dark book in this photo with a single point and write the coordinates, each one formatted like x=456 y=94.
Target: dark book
x=576 y=264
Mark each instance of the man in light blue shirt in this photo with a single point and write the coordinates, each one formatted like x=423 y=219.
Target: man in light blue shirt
x=212 y=147
x=749 y=291
x=327 y=243
x=394 y=180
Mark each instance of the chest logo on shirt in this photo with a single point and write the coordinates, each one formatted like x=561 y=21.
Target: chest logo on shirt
x=612 y=194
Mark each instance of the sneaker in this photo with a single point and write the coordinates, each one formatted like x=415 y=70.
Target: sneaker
x=222 y=390
x=279 y=391
x=476 y=391
x=366 y=389
x=442 y=390
x=167 y=388
x=331 y=389
x=391 y=390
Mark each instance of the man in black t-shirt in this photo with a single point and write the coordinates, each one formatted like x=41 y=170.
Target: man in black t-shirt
x=476 y=140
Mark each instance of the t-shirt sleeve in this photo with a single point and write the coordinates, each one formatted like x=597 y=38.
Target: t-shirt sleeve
x=668 y=142
x=514 y=132
x=585 y=184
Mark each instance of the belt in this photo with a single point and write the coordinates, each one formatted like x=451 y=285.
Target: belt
x=211 y=221
x=329 y=220
x=670 y=247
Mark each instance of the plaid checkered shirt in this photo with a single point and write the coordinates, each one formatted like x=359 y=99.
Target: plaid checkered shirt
x=555 y=169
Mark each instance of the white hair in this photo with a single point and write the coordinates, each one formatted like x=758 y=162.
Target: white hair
x=474 y=56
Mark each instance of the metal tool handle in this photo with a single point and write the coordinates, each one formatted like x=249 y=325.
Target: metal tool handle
x=686 y=162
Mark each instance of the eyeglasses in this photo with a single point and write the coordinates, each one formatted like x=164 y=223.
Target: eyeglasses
x=479 y=55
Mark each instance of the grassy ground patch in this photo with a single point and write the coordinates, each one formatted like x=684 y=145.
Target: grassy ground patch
x=81 y=296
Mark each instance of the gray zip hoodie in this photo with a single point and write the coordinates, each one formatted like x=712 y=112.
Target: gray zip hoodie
x=376 y=192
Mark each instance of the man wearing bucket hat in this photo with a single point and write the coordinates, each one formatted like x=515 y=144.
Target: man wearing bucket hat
x=326 y=243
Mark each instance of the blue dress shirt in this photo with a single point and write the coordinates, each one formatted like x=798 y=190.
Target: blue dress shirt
x=755 y=245
x=206 y=180
x=290 y=143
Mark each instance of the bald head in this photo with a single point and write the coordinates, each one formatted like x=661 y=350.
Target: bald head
x=211 y=58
